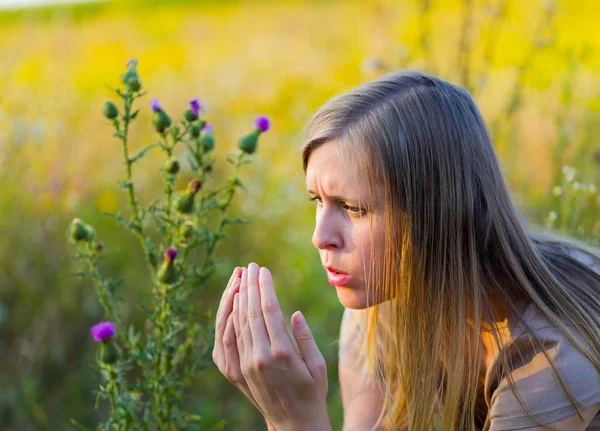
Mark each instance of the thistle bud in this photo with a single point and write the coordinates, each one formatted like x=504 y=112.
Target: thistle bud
x=168 y=273
x=197 y=127
x=81 y=231
x=97 y=247
x=131 y=71
x=161 y=121
x=185 y=201
x=171 y=166
x=194 y=186
x=249 y=142
x=134 y=84
x=187 y=230
x=110 y=110
x=109 y=353
x=207 y=141
x=189 y=115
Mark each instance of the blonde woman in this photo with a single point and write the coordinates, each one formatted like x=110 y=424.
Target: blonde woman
x=457 y=316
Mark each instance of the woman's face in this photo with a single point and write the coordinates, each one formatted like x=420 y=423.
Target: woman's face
x=345 y=232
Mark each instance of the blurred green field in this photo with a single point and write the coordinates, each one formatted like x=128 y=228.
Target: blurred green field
x=534 y=71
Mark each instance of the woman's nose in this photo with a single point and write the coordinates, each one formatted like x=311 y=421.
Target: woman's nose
x=327 y=233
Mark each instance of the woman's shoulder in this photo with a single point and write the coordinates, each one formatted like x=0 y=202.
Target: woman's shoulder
x=535 y=378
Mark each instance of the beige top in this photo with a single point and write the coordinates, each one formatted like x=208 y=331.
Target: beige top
x=533 y=375
x=535 y=379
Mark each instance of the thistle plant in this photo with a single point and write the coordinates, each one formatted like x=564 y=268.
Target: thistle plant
x=146 y=373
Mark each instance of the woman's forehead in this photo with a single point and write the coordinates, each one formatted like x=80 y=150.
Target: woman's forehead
x=334 y=172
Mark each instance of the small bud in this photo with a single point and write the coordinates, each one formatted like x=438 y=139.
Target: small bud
x=109 y=353
x=171 y=253
x=81 y=231
x=110 y=110
x=189 y=115
x=130 y=78
x=194 y=186
x=174 y=132
x=168 y=273
x=134 y=84
x=207 y=140
x=187 y=229
x=184 y=203
x=161 y=121
x=249 y=142
x=97 y=247
x=197 y=127
x=171 y=166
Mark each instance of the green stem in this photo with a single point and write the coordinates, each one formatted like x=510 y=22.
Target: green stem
x=128 y=100
x=101 y=291
x=230 y=193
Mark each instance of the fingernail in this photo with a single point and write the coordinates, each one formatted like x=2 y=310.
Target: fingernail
x=252 y=270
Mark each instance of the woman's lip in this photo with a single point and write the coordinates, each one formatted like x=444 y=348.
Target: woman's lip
x=335 y=270
x=337 y=279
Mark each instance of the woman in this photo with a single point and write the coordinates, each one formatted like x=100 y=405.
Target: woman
x=457 y=316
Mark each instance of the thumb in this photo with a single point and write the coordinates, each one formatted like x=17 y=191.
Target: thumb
x=308 y=347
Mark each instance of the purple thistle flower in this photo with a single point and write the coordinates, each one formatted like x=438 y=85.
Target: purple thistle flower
x=103 y=331
x=196 y=107
x=208 y=128
x=170 y=254
x=155 y=105
x=262 y=123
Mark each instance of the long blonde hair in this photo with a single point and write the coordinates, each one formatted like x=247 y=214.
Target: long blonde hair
x=454 y=240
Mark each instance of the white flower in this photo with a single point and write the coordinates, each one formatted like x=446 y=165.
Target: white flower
x=569 y=173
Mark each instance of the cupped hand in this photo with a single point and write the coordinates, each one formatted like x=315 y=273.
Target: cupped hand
x=288 y=387
x=225 y=352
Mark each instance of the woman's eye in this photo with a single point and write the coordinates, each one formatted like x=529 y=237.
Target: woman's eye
x=354 y=211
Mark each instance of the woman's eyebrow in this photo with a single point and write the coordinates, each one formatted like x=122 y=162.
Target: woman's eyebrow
x=336 y=198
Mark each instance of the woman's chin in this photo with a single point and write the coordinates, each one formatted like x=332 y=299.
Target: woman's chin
x=349 y=298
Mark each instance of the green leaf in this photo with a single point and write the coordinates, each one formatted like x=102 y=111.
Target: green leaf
x=84 y=274
x=125 y=185
x=132 y=116
x=79 y=256
x=79 y=426
x=112 y=286
x=121 y=220
x=142 y=152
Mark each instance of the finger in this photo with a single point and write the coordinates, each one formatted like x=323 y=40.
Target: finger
x=235 y=277
x=313 y=358
x=243 y=313
x=236 y=326
x=232 y=357
x=226 y=303
x=260 y=338
x=278 y=334
x=223 y=312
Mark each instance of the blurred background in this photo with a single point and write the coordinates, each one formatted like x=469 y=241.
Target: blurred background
x=532 y=67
